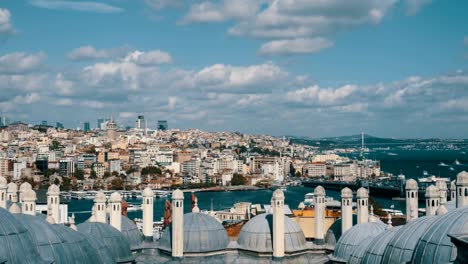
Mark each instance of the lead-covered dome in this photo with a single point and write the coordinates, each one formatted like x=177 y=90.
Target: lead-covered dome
x=53 y=190
x=334 y=232
x=256 y=235
x=352 y=238
x=432 y=192
x=401 y=247
x=435 y=245
x=362 y=193
x=132 y=234
x=376 y=249
x=411 y=184
x=16 y=241
x=114 y=241
x=202 y=233
x=319 y=191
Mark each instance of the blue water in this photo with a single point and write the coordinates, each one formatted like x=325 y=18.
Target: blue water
x=412 y=163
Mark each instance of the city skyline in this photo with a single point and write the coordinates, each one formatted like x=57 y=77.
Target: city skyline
x=305 y=68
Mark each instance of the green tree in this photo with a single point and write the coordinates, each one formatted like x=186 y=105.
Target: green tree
x=79 y=174
x=107 y=174
x=93 y=174
x=56 y=181
x=91 y=150
x=55 y=145
x=131 y=170
x=114 y=173
x=150 y=170
x=238 y=179
x=298 y=174
x=292 y=170
x=117 y=184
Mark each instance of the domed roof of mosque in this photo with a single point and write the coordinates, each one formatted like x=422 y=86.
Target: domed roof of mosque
x=77 y=246
x=53 y=190
x=25 y=186
x=100 y=197
x=105 y=256
x=432 y=192
x=112 y=239
x=362 y=193
x=346 y=193
x=16 y=241
x=202 y=233
x=12 y=187
x=411 y=184
x=334 y=232
x=401 y=247
x=435 y=245
x=256 y=235
x=130 y=231
x=147 y=192
x=319 y=190
x=376 y=249
x=358 y=253
x=49 y=243
x=3 y=182
x=462 y=178
x=354 y=237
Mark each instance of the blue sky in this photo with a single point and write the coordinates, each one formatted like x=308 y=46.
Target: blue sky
x=301 y=67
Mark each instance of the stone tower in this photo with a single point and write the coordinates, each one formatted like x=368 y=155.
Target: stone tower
x=432 y=200
x=115 y=205
x=462 y=189
x=277 y=203
x=148 y=212
x=442 y=187
x=177 y=224
x=3 y=192
x=100 y=207
x=411 y=200
x=319 y=201
x=346 y=209
x=29 y=202
x=362 y=205
x=53 y=200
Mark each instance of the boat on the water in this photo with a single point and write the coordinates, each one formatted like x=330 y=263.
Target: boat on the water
x=443 y=164
x=456 y=162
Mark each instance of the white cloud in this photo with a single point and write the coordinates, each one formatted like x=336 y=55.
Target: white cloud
x=87 y=52
x=321 y=96
x=414 y=6
x=153 y=57
x=27 y=99
x=5 y=22
x=19 y=62
x=295 y=46
x=64 y=86
x=208 y=11
x=63 y=102
x=171 y=102
x=95 y=7
x=93 y=104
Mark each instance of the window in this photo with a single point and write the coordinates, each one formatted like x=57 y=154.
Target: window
x=433 y=204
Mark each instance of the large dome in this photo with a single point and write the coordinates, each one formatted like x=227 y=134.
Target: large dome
x=375 y=251
x=435 y=245
x=401 y=247
x=256 y=235
x=111 y=237
x=16 y=241
x=354 y=237
x=202 y=233
x=104 y=255
x=334 y=232
x=358 y=253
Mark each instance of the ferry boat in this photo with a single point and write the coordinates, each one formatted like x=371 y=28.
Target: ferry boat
x=443 y=164
x=133 y=207
x=77 y=195
x=309 y=198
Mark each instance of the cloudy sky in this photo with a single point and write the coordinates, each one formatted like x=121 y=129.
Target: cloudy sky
x=395 y=68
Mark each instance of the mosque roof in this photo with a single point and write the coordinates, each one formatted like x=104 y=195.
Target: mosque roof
x=16 y=241
x=376 y=249
x=256 y=235
x=105 y=256
x=202 y=233
x=401 y=247
x=114 y=241
x=334 y=232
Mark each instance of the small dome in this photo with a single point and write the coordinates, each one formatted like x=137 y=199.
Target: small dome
x=362 y=193
x=432 y=192
x=375 y=251
x=441 y=185
x=256 y=235
x=114 y=241
x=352 y=238
x=334 y=232
x=177 y=194
x=411 y=184
x=12 y=187
x=16 y=241
x=147 y=192
x=346 y=193
x=53 y=190
x=319 y=191
x=25 y=186
x=202 y=233
x=29 y=196
x=132 y=234
x=100 y=197
x=435 y=245
x=115 y=197
x=3 y=183
x=462 y=178
x=278 y=194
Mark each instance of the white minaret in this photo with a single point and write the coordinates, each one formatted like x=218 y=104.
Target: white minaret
x=22 y=189
x=29 y=202
x=462 y=189
x=277 y=203
x=453 y=191
x=319 y=201
x=53 y=200
x=100 y=207
x=12 y=189
x=432 y=200
x=442 y=209
x=346 y=209
x=411 y=200
x=177 y=224
x=115 y=205
x=362 y=205
x=3 y=192
x=147 y=207
x=442 y=187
